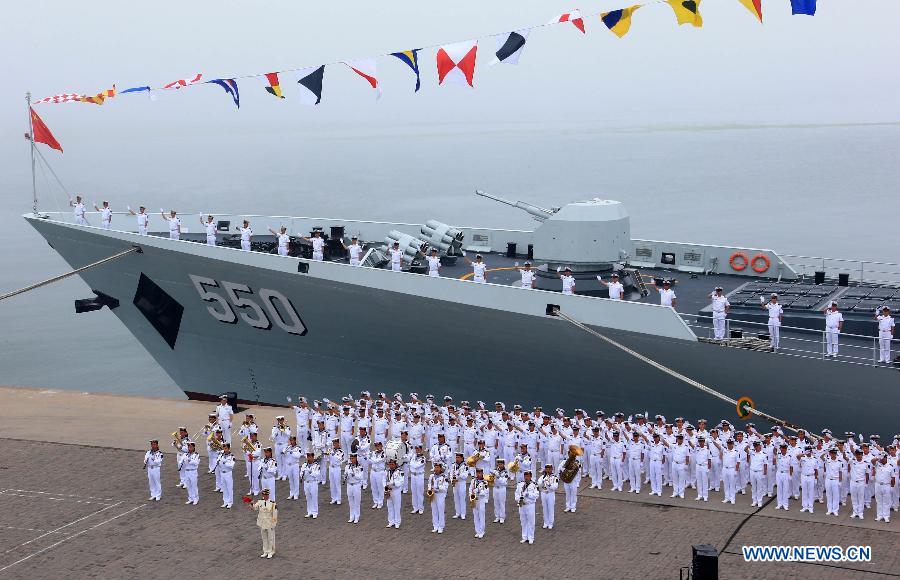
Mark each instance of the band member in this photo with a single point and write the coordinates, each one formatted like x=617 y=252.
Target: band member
x=189 y=463
x=309 y=476
x=501 y=478
x=377 y=475
x=153 y=463
x=266 y=519
x=293 y=456
x=440 y=451
x=143 y=219
x=526 y=494
x=254 y=463
x=226 y=468
x=437 y=489
x=214 y=446
x=459 y=473
x=180 y=444
x=355 y=475
x=210 y=226
x=548 y=483
x=393 y=489
x=417 y=480
x=224 y=414
x=281 y=432
x=268 y=472
x=248 y=426
x=524 y=459
x=479 y=490
x=283 y=240
x=335 y=463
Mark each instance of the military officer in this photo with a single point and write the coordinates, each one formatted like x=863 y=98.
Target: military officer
x=776 y=317
x=634 y=454
x=281 y=433
x=525 y=495
x=153 y=464
x=616 y=290
x=318 y=245
x=355 y=476
x=885 y=334
x=528 y=276
x=784 y=469
x=377 y=475
x=189 y=463
x=885 y=482
x=354 y=249
x=226 y=469
x=246 y=235
x=174 y=224
x=479 y=489
x=105 y=215
x=459 y=474
x=143 y=220
x=479 y=268
x=225 y=414
x=720 y=308
x=656 y=467
x=266 y=520
x=501 y=479
x=548 y=483
x=293 y=456
x=393 y=490
x=616 y=451
x=302 y=414
x=335 y=463
x=396 y=255
x=834 y=475
x=666 y=295
x=702 y=460
x=834 y=324
x=210 y=227
x=759 y=471
x=309 y=477
x=78 y=210
x=438 y=484
x=283 y=239
x=434 y=263
x=859 y=479
x=268 y=472
x=254 y=462
x=568 y=281
x=416 y=465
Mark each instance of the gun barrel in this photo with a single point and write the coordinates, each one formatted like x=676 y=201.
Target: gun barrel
x=538 y=213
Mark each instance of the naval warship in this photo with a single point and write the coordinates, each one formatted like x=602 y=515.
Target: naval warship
x=267 y=326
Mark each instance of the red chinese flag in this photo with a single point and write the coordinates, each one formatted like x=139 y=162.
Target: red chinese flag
x=42 y=134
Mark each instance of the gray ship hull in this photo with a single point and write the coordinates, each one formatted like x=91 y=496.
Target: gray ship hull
x=379 y=336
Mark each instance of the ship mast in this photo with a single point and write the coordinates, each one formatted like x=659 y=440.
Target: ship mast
x=31 y=139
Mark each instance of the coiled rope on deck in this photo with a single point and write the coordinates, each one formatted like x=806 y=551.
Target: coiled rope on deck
x=133 y=249
x=674 y=373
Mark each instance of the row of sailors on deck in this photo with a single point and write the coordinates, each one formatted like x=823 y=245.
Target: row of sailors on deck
x=632 y=450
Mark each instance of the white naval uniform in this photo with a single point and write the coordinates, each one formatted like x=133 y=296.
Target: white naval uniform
x=775 y=313
x=478 y=269
x=143 y=223
x=702 y=459
x=254 y=464
x=657 y=452
x=434 y=266
x=394 y=482
x=355 y=476
x=548 y=484
x=224 y=413
x=482 y=492
x=246 y=234
x=355 y=251
x=189 y=464
x=439 y=484
x=293 y=456
x=396 y=259
x=681 y=457
x=634 y=454
x=417 y=482
x=153 y=462
x=528 y=277
x=210 y=233
x=666 y=297
x=461 y=472
x=783 y=465
x=568 y=284
x=501 y=478
x=283 y=240
x=885 y=334
x=834 y=474
x=174 y=228
x=78 y=211
x=280 y=438
x=884 y=477
x=758 y=472
x=309 y=475
x=616 y=452
x=833 y=320
x=105 y=217
x=809 y=465
x=318 y=245
x=527 y=494
x=719 y=304
x=858 y=471
x=335 y=463
x=226 y=468
x=268 y=473
x=376 y=477
x=616 y=290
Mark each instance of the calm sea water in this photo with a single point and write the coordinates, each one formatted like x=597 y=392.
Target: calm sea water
x=815 y=190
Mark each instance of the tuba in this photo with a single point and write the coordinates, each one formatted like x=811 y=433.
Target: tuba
x=572 y=465
x=471 y=460
x=489 y=478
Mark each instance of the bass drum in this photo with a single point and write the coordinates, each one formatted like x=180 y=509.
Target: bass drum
x=396 y=450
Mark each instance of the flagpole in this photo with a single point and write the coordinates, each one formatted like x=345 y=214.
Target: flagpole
x=31 y=138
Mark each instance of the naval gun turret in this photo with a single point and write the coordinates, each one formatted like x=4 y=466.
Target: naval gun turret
x=588 y=236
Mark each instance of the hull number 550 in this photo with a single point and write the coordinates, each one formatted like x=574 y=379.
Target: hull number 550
x=259 y=309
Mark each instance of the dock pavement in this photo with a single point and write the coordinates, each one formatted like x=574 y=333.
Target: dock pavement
x=73 y=504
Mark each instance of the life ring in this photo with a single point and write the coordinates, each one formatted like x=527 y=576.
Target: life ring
x=760 y=268
x=736 y=265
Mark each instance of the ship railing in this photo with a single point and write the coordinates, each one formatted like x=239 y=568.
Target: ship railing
x=861 y=271
x=801 y=342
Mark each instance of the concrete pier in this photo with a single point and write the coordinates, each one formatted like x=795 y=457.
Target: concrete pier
x=73 y=504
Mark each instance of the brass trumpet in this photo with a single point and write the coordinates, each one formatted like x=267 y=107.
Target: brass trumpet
x=429 y=493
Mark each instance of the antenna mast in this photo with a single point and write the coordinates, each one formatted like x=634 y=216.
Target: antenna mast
x=34 y=206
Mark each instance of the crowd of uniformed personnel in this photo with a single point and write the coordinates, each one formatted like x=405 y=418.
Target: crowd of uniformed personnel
x=382 y=448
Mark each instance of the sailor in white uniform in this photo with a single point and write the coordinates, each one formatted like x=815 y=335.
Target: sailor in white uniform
x=616 y=290
x=153 y=464
x=396 y=255
x=174 y=224
x=834 y=324
x=479 y=268
x=720 y=307
x=224 y=414
x=776 y=316
x=354 y=249
x=318 y=245
x=105 y=215
x=525 y=496
x=885 y=334
x=528 y=276
x=78 y=211
x=434 y=264
x=189 y=463
x=210 y=226
x=666 y=295
x=143 y=219
x=246 y=235
x=568 y=281
x=283 y=240
x=226 y=469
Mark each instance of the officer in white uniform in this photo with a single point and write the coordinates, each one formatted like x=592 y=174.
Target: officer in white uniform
x=335 y=466
x=479 y=268
x=105 y=215
x=293 y=455
x=784 y=471
x=479 y=488
x=834 y=324
x=153 y=464
x=318 y=245
x=434 y=264
x=268 y=472
x=885 y=334
x=377 y=475
x=309 y=476
x=226 y=470
x=267 y=519
x=355 y=476
x=246 y=235
x=224 y=414
x=528 y=275
x=143 y=219
x=396 y=257
x=438 y=484
x=174 y=224
x=78 y=211
x=776 y=316
x=834 y=476
x=501 y=478
x=354 y=249
x=283 y=240
x=547 y=484
x=393 y=484
x=568 y=281
x=616 y=290
x=859 y=479
x=759 y=471
x=416 y=466
x=720 y=307
x=885 y=482
x=525 y=496
x=666 y=295
x=189 y=463
x=210 y=226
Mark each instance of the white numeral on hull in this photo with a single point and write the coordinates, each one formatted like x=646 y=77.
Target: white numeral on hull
x=275 y=305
